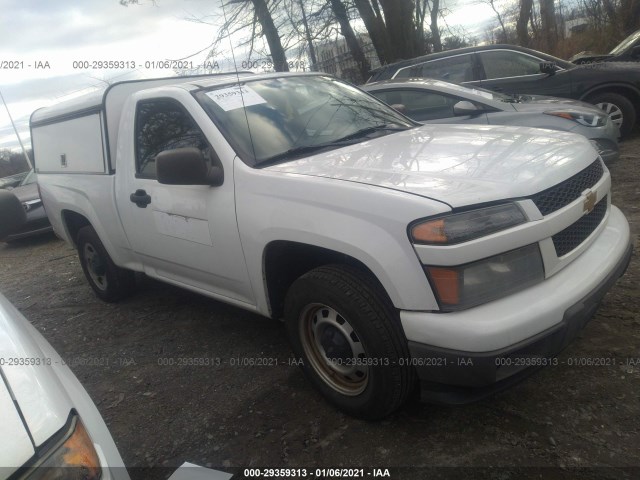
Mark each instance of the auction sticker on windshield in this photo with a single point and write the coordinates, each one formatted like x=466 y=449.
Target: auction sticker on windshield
x=235 y=97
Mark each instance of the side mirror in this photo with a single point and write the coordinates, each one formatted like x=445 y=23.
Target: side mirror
x=187 y=166
x=548 y=67
x=12 y=214
x=465 y=107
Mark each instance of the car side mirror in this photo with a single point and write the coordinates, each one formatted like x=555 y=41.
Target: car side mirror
x=548 y=67
x=187 y=166
x=12 y=214
x=465 y=107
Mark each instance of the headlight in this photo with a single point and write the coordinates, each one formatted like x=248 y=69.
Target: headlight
x=461 y=227
x=586 y=119
x=72 y=457
x=465 y=286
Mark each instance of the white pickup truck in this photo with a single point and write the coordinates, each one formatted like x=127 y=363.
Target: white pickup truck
x=456 y=258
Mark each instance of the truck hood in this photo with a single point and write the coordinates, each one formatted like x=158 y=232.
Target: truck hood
x=33 y=389
x=455 y=164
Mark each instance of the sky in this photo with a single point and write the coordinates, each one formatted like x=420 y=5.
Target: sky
x=44 y=45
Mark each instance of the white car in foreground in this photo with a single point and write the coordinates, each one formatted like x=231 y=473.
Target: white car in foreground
x=49 y=426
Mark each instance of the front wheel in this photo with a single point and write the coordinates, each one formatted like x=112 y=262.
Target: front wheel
x=110 y=282
x=342 y=325
x=619 y=108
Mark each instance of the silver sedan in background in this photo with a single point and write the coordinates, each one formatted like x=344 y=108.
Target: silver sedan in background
x=436 y=101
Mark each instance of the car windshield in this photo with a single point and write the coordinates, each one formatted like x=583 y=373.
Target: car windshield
x=276 y=119
x=626 y=43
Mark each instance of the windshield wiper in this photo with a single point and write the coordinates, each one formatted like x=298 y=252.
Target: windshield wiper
x=293 y=153
x=302 y=150
x=369 y=130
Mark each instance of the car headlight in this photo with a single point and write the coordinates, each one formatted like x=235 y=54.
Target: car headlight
x=71 y=457
x=586 y=119
x=466 y=286
x=462 y=227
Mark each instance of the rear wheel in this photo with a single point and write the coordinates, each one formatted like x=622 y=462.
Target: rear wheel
x=342 y=325
x=619 y=108
x=110 y=282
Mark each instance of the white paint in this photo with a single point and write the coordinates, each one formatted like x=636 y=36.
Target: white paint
x=186 y=228
x=79 y=140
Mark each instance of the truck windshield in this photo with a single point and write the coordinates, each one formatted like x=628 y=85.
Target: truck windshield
x=280 y=118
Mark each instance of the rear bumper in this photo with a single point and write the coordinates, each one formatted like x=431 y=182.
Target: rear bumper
x=460 y=375
x=31 y=229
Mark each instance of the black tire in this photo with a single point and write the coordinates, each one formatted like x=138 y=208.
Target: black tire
x=620 y=110
x=369 y=377
x=110 y=282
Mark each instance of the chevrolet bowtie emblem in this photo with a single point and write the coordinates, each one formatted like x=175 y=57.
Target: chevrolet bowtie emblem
x=590 y=202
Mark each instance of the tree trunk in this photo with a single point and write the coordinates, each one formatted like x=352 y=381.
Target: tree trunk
x=340 y=13
x=548 y=25
x=435 y=31
x=522 y=25
x=401 y=27
x=376 y=29
x=307 y=34
x=271 y=33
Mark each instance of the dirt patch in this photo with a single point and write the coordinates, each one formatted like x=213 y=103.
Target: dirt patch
x=168 y=371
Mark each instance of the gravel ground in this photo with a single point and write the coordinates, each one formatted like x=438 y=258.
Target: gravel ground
x=136 y=359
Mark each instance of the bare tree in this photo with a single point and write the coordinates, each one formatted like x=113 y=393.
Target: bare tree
x=270 y=32
x=435 y=32
x=548 y=25
x=340 y=12
x=505 y=36
x=522 y=23
x=392 y=27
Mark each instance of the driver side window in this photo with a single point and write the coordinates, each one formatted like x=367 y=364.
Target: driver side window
x=505 y=63
x=164 y=124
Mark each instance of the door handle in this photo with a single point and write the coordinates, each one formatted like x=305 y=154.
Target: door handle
x=140 y=198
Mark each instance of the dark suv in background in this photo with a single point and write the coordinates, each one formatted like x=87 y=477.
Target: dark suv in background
x=627 y=50
x=612 y=86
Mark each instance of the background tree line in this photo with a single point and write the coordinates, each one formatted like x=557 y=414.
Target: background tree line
x=286 y=30
x=13 y=162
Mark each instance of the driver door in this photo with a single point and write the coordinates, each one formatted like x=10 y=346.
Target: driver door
x=183 y=234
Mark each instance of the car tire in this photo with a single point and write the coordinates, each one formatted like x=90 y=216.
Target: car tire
x=341 y=313
x=110 y=282
x=620 y=110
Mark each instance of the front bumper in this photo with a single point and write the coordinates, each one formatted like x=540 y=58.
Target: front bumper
x=475 y=353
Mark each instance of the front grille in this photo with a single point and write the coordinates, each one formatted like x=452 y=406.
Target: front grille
x=561 y=195
x=572 y=236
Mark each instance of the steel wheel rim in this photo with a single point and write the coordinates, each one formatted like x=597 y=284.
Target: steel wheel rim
x=334 y=349
x=614 y=112
x=95 y=266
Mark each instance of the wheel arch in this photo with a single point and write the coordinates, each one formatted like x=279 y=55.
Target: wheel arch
x=73 y=222
x=285 y=261
x=630 y=92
